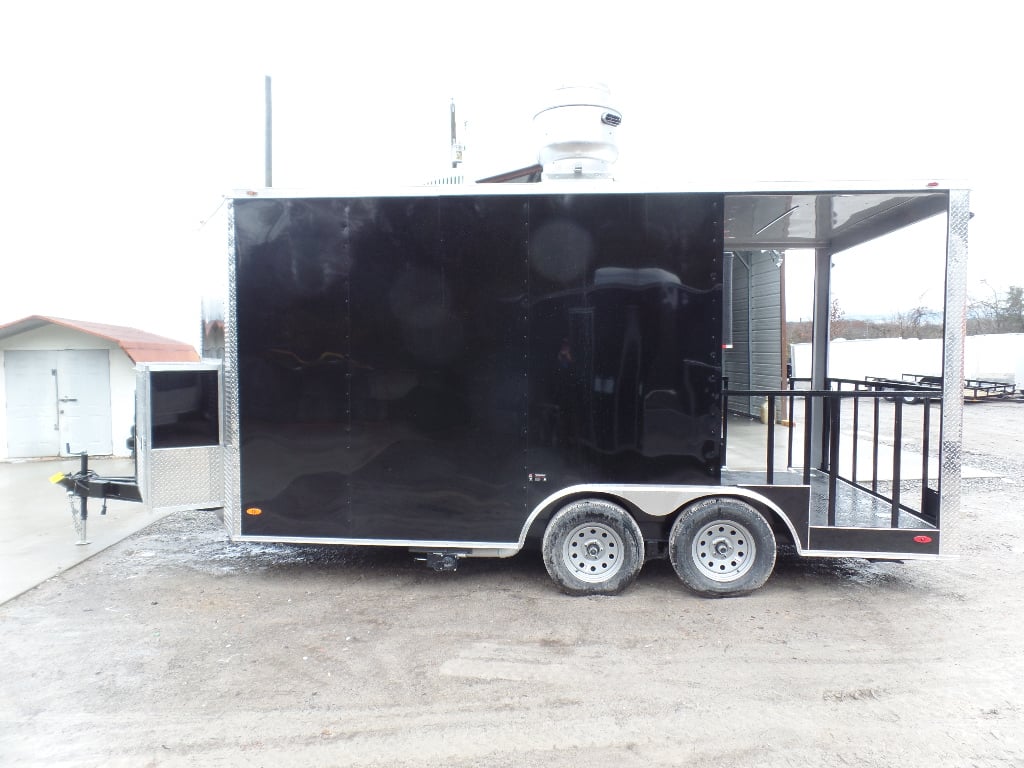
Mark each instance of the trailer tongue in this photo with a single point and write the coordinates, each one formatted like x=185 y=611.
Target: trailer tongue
x=86 y=484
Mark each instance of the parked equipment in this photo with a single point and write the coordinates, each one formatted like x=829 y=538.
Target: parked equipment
x=975 y=390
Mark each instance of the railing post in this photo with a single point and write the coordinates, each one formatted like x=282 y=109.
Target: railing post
x=832 y=411
x=897 y=439
x=856 y=431
x=807 y=439
x=833 y=457
x=789 y=429
x=826 y=407
x=874 y=450
x=925 y=446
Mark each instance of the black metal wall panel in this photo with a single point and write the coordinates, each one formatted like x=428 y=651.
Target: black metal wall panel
x=294 y=259
x=439 y=355
x=625 y=340
x=407 y=364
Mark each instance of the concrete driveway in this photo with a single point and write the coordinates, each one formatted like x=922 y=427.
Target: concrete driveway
x=37 y=534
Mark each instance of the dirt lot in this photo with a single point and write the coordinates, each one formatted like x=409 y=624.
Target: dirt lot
x=176 y=648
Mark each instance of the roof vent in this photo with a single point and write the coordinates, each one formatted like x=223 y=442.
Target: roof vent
x=577 y=126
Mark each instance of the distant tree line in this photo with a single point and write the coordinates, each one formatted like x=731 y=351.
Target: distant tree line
x=1000 y=313
x=916 y=323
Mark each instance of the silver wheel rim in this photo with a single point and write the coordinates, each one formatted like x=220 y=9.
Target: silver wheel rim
x=593 y=552
x=723 y=550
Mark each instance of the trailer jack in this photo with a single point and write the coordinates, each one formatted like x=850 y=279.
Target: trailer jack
x=80 y=517
x=84 y=484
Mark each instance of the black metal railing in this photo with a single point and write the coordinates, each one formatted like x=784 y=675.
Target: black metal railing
x=830 y=404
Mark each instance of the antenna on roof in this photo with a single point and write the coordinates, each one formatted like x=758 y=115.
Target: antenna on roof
x=268 y=140
x=457 y=148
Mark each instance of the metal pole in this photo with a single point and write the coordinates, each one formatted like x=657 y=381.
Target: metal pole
x=784 y=342
x=820 y=341
x=268 y=173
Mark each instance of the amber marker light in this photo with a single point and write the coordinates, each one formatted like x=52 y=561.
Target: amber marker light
x=254 y=511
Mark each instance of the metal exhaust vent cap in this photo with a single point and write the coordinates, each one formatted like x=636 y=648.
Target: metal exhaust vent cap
x=576 y=126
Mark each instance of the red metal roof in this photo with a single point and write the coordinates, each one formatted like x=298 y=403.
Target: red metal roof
x=140 y=346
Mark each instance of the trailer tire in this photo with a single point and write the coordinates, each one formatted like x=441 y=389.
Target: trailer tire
x=722 y=547
x=593 y=547
x=904 y=398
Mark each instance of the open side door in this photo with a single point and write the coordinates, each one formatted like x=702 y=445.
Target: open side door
x=179 y=435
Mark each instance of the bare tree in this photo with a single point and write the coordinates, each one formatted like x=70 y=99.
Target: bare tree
x=998 y=313
x=836 y=327
x=916 y=323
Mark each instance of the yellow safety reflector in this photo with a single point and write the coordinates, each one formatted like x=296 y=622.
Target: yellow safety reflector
x=57 y=477
x=254 y=511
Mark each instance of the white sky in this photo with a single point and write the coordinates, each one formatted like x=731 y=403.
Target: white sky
x=124 y=123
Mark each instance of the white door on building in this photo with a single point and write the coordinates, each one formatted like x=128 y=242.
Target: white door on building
x=58 y=402
x=83 y=401
x=32 y=428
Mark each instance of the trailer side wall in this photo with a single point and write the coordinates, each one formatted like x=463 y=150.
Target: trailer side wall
x=427 y=369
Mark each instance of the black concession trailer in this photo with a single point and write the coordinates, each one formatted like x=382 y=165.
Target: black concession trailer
x=468 y=371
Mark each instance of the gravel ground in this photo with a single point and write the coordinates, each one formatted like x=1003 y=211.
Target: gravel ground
x=175 y=647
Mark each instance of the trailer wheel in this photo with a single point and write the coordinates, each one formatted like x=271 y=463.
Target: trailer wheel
x=722 y=547
x=593 y=547
x=904 y=398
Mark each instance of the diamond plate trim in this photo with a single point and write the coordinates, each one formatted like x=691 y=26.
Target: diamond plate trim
x=232 y=472
x=951 y=452
x=142 y=438
x=186 y=478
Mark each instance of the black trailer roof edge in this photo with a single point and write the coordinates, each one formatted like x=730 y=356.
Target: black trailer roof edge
x=608 y=186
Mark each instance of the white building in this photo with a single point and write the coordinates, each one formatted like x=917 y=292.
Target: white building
x=68 y=386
